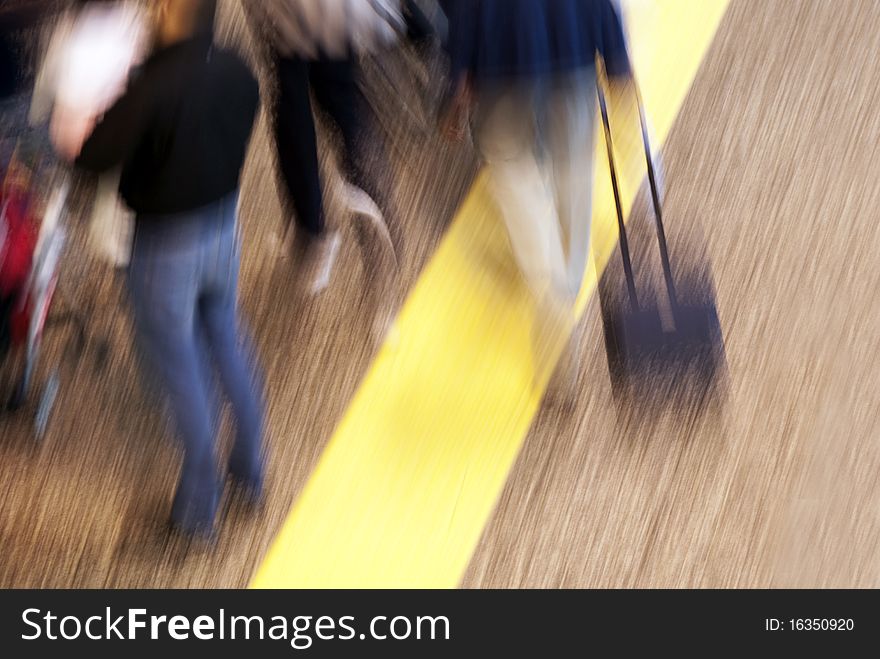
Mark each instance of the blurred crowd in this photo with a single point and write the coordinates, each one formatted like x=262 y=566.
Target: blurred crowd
x=139 y=94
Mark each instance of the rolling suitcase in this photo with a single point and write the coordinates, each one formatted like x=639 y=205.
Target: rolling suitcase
x=638 y=346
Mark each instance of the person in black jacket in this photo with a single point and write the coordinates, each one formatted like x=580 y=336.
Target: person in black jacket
x=181 y=132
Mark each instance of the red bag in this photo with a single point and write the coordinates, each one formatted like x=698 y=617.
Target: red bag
x=19 y=240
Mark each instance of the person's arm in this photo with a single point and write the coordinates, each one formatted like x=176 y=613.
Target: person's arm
x=119 y=132
x=462 y=18
x=462 y=51
x=612 y=42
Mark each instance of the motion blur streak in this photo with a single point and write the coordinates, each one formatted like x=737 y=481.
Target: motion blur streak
x=406 y=485
x=771 y=165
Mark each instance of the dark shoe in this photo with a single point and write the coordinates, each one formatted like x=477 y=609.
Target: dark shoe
x=195 y=515
x=556 y=327
x=247 y=481
x=194 y=538
x=245 y=499
x=247 y=488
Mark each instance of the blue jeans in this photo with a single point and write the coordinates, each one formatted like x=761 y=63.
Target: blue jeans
x=183 y=281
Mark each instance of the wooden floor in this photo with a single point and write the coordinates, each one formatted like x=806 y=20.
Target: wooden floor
x=772 y=176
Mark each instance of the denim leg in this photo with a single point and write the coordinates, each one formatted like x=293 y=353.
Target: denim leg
x=569 y=133
x=507 y=140
x=209 y=376
x=164 y=289
x=227 y=340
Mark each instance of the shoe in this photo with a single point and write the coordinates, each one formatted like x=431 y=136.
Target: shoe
x=195 y=507
x=247 y=483
x=554 y=327
x=192 y=540
x=195 y=533
x=317 y=259
x=378 y=255
x=246 y=497
x=369 y=221
x=203 y=531
x=562 y=391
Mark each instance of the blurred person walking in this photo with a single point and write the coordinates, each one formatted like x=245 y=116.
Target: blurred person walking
x=524 y=72
x=314 y=45
x=181 y=131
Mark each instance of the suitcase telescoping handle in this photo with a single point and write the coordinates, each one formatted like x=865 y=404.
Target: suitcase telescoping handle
x=655 y=199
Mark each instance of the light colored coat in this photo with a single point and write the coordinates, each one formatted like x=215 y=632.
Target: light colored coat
x=311 y=28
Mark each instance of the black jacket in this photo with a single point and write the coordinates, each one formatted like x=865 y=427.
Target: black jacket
x=181 y=130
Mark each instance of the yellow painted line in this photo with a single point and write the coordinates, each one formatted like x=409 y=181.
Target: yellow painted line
x=408 y=481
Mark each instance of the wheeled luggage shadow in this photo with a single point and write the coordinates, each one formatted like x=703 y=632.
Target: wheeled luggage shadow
x=666 y=347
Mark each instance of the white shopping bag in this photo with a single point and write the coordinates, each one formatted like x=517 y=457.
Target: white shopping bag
x=112 y=225
x=105 y=42
x=85 y=71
